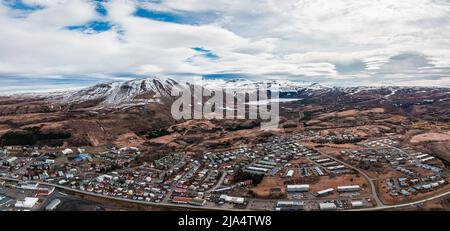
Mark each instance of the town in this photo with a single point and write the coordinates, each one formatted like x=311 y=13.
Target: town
x=285 y=172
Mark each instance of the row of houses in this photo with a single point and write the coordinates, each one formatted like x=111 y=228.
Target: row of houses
x=330 y=165
x=407 y=186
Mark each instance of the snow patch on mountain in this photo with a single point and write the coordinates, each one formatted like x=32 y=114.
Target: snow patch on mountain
x=153 y=90
x=136 y=91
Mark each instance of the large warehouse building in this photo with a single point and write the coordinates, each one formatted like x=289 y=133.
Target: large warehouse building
x=298 y=188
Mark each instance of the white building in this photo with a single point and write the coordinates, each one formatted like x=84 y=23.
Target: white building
x=349 y=188
x=427 y=159
x=422 y=156
x=129 y=150
x=53 y=205
x=290 y=173
x=67 y=151
x=10 y=161
x=230 y=199
x=28 y=186
x=298 y=188
x=27 y=203
x=103 y=177
x=357 y=204
x=258 y=169
x=323 y=160
x=336 y=167
x=290 y=203
x=325 y=192
x=327 y=206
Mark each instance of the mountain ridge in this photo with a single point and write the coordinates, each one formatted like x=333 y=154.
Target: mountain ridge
x=154 y=89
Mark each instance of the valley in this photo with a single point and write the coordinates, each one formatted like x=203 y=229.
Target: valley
x=334 y=148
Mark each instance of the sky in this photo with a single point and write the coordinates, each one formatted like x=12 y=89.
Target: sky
x=48 y=45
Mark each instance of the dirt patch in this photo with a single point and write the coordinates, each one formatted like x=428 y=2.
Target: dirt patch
x=430 y=137
x=342 y=180
x=45 y=126
x=299 y=161
x=352 y=112
x=270 y=187
x=128 y=139
x=375 y=110
x=4 y=129
x=441 y=204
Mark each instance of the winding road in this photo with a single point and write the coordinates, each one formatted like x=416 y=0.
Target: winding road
x=219 y=182
x=403 y=205
x=369 y=179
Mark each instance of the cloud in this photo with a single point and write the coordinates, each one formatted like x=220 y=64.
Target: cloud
x=341 y=41
x=406 y=62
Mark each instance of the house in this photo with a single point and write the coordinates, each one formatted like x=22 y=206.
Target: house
x=357 y=204
x=53 y=205
x=197 y=202
x=10 y=161
x=230 y=199
x=327 y=206
x=28 y=202
x=83 y=157
x=67 y=151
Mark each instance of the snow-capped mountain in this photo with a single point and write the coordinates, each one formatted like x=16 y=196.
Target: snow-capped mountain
x=137 y=91
x=287 y=89
x=152 y=90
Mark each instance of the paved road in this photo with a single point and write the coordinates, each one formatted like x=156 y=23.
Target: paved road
x=403 y=205
x=219 y=182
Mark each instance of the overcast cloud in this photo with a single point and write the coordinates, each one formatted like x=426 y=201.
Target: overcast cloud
x=339 y=42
